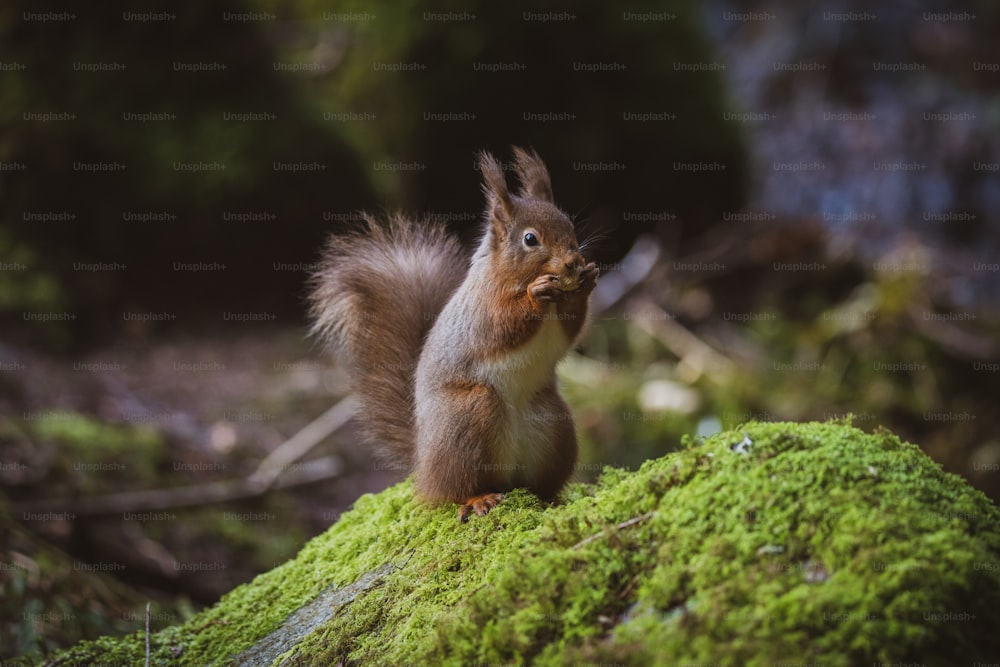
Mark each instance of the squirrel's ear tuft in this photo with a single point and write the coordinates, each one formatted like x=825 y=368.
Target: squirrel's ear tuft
x=534 y=175
x=499 y=206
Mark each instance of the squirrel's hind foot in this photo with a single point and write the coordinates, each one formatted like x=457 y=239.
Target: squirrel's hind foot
x=479 y=504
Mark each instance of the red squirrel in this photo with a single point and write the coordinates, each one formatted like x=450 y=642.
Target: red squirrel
x=453 y=359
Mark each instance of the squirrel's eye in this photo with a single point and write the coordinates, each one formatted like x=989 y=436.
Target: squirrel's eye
x=530 y=240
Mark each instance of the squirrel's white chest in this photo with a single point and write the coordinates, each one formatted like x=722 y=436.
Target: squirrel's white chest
x=522 y=372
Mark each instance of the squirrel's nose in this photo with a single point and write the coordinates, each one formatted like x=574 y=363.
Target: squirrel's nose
x=574 y=263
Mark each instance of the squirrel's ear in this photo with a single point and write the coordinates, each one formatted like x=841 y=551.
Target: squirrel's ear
x=498 y=202
x=534 y=175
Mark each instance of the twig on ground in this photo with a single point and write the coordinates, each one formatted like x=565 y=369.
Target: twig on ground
x=180 y=496
x=624 y=524
x=274 y=472
x=302 y=443
x=689 y=348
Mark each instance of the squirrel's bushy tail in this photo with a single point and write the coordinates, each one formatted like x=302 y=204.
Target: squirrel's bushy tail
x=376 y=295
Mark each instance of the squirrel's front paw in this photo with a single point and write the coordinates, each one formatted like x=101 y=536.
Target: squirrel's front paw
x=479 y=504
x=546 y=288
x=589 y=274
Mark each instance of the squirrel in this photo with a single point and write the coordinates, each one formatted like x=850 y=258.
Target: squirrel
x=453 y=359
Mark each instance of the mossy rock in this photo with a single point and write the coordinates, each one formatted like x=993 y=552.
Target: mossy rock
x=773 y=543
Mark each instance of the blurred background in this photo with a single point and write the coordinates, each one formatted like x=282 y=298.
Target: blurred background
x=794 y=206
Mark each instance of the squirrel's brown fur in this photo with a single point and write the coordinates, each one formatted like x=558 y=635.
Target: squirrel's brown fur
x=454 y=361
x=374 y=298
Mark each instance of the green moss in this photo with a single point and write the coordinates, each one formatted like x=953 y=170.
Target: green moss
x=774 y=542
x=85 y=441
